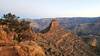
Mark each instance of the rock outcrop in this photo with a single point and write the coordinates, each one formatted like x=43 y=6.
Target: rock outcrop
x=58 y=42
x=4 y=36
x=52 y=41
x=27 y=48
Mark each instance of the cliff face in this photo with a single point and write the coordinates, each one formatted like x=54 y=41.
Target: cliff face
x=27 y=48
x=52 y=41
x=58 y=42
x=9 y=47
x=4 y=36
x=88 y=28
x=52 y=26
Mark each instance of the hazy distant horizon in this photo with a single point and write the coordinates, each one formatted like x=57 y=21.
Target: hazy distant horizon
x=51 y=8
x=25 y=17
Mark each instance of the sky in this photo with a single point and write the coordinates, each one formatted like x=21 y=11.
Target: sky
x=51 y=8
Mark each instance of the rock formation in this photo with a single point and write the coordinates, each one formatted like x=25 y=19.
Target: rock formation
x=4 y=36
x=58 y=42
x=27 y=48
x=52 y=41
x=53 y=25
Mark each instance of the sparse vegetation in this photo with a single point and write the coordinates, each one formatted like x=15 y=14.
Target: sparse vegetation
x=12 y=24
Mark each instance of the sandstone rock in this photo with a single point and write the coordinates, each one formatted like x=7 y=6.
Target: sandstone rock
x=4 y=37
x=58 y=42
x=27 y=48
x=52 y=41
